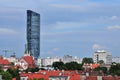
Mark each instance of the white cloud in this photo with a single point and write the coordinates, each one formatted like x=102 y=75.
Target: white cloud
x=7 y=31
x=55 y=49
x=114 y=17
x=97 y=47
x=66 y=6
x=115 y=27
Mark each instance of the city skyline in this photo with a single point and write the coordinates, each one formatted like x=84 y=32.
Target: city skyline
x=76 y=27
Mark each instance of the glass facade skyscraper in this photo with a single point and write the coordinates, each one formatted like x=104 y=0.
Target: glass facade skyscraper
x=33 y=33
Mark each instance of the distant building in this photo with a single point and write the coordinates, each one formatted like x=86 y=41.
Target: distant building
x=102 y=55
x=49 y=61
x=90 y=66
x=116 y=59
x=68 y=58
x=33 y=33
x=12 y=58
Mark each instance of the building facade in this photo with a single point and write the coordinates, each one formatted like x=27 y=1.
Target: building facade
x=116 y=59
x=33 y=33
x=102 y=55
x=69 y=58
x=49 y=61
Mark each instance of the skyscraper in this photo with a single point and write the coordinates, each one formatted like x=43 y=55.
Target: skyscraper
x=33 y=33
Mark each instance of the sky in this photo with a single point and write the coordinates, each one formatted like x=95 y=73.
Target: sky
x=73 y=27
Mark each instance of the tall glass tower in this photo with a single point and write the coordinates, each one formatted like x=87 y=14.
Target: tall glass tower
x=33 y=33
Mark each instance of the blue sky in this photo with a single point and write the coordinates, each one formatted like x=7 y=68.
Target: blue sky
x=74 y=27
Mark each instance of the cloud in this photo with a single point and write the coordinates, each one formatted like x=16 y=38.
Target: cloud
x=55 y=49
x=66 y=6
x=115 y=27
x=114 y=17
x=7 y=31
x=97 y=47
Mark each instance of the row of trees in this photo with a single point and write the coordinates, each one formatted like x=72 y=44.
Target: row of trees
x=114 y=69
x=67 y=66
x=71 y=65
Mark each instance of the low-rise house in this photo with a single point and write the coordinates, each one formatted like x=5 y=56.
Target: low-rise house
x=25 y=62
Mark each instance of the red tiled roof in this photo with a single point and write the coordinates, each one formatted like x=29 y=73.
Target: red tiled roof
x=13 y=78
x=4 y=62
x=46 y=74
x=91 y=78
x=29 y=60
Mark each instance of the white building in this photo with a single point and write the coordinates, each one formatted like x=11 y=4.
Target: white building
x=116 y=59
x=102 y=55
x=12 y=59
x=68 y=58
x=49 y=61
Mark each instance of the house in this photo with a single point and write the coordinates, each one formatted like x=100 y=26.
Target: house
x=25 y=62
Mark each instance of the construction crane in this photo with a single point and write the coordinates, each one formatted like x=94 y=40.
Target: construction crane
x=5 y=51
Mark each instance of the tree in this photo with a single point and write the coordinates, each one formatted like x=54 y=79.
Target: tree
x=14 y=73
x=41 y=79
x=58 y=65
x=114 y=69
x=72 y=66
x=6 y=76
x=1 y=69
x=80 y=67
x=87 y=60
x=36 y=69
x=103 y=69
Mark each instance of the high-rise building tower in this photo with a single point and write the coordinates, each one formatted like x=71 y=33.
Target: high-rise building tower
x=33 y=33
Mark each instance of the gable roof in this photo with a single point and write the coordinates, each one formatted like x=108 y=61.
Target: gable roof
x=4 y=62
x=29 y=60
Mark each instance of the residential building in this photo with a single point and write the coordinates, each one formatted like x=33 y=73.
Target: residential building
x=116 y=59
x=49 y=61
x=68 y=58
x=4 y=62
x=12 y=58
x=33 y=33
x=90 y=66
x=102 y=55
x=25 y=62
